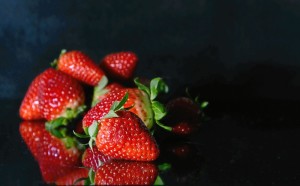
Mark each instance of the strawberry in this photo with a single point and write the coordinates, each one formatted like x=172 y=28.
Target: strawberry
x=59 y=95
x=125 y=137
x=137 y=98
x=72 y=177
x=55 y=156
x=120 y=65
x=94 y=158
x=79 y=66
x=100 y=92
x=184 y=128
x=126 y=173
x=29 y=109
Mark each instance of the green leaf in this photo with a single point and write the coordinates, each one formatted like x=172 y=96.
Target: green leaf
x=80 y=135
x=102 y=83
x=204 y=104
x=122 y=102
x=99 y=90
x=56 y=133
x=157 y=85
x=159 y=110
x=92 y=176
x=93 y=129
x=141 y=86
x=168 y=128
x=164 y=167
x=110 y=114
x=158 y=181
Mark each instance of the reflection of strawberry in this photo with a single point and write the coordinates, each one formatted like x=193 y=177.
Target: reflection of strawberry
x=59 y=93
x=184 y=128
x=56 y=157
x=72 y=177
x=93 y=158
x=126 y=173
x=120 y=65
x=126 y=137
x=79 y=66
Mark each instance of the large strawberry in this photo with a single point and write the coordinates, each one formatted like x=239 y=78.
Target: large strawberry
x=29 y=109
x=79 y=66
x=56 y=157
x=120 y=65
x=123 y=135
x=126 y=173
x=93 y=158
x=59 y=95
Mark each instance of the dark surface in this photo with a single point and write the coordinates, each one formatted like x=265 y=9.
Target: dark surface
x=241 y=56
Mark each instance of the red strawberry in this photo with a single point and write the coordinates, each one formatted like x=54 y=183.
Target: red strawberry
x=120 y=65
x=183 y=109
x=126 y=137
x=126 y=173
x=93 y=158
x=59 y=93
x=29 y=109
x=101 y=92
x=184 y=128
x=137 y=98
x=80 y=66
x=72 y=177
x=56 y=157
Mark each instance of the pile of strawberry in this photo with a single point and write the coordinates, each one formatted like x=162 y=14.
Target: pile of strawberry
x=111 y=134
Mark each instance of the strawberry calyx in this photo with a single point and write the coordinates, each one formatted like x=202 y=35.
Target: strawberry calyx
x=90 y=180
x=55 y=61
x=157 y=86
x=92 y=131
x=99 y=90
x=196 y=100
x=58 y=127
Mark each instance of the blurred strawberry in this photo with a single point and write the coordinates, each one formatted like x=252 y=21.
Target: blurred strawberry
x=120 y=65
x=72 y=177
x=126 y=173
x=94 y=158
x=56 y=157
x=79 y=66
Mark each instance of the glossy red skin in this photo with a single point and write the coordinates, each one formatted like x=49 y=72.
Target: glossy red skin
x=81 y=67
x=94 y=159
x=53 y=157
x=109 y=88
x=58 y=92
x=29 y=109
x=136 y=98
x=120 y=65
x=73 y=176
x=126 y=173
x=183 y=128
x=126 y=137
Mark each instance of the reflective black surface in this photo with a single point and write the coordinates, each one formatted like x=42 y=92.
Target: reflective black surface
x=237 y=146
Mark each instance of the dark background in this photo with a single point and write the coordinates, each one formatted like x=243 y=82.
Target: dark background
x=241 y=56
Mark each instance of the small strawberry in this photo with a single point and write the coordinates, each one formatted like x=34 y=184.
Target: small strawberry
x=184 y=128
x=120 y=65
x=126 y=173
x=94 y=158
x=29 y=109
x=73 y=177
x=79 y=66
x=59 y=95
x=125 y=137
x=56 y=157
